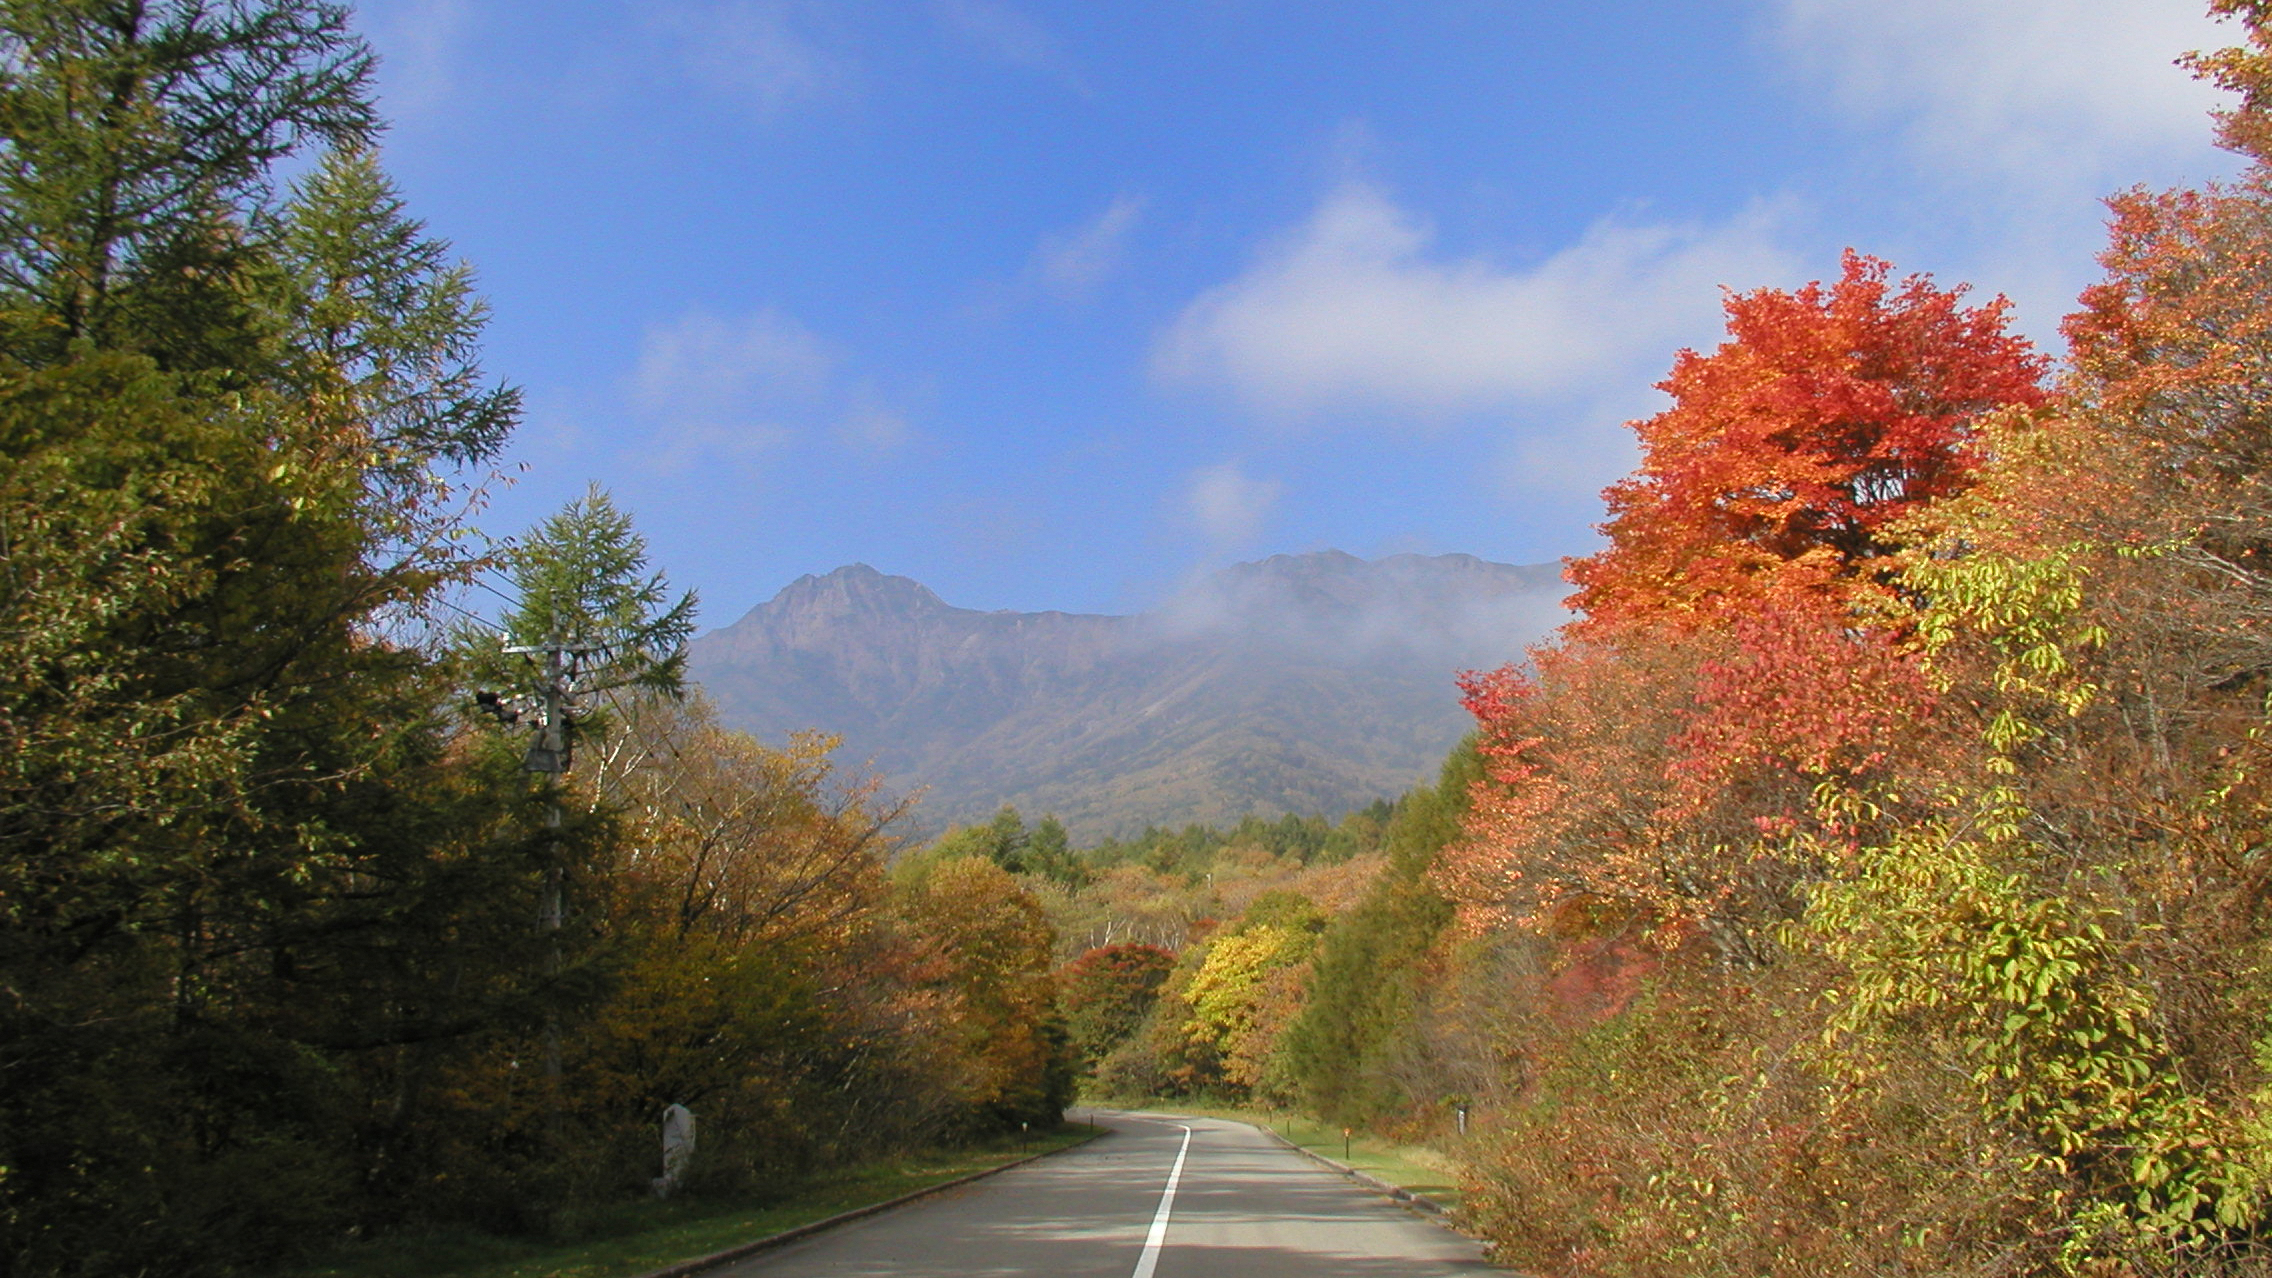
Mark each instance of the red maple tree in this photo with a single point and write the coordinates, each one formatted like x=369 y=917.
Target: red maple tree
x=1656 y=758
x=1828 y=415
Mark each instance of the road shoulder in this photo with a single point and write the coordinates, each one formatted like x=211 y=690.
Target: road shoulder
x=1418 y=1201
x=756 y=1246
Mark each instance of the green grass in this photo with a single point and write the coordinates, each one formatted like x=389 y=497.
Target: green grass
x=634 y=1238
x=1413 y=1167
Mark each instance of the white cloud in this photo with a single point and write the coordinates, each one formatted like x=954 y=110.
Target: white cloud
x=703 y=443
x=771 y=54
x=1993 y=129
x=1071 y=263
x=1351 y=312
x=1229 y=507
x=1000 y=33
x=703 y=368
x=2066 y=92
x=735 y=388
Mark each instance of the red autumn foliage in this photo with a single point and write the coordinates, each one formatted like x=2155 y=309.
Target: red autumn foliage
x=1107 y=992
x=1828 y=415
x=1734 y=653
x=1803 y=697
x=1575 y=757
x=1599 y=977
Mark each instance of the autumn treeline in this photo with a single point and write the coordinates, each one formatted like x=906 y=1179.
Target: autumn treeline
x=295 y=945
x=1873 y=879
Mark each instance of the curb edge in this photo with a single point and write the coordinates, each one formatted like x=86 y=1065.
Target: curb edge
x=1420 y=1202
x=742 y=1251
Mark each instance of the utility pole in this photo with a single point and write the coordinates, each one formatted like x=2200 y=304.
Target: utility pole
x=551 y=753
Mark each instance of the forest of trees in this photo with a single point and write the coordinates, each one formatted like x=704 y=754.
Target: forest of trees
x=1873 y=878
x=295 y=947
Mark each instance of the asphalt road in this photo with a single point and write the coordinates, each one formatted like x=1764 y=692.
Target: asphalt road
x=1242 y=1205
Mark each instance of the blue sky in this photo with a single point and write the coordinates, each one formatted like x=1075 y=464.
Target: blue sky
x=1054 y=305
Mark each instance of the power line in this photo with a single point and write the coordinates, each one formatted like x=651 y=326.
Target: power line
x=474 y=617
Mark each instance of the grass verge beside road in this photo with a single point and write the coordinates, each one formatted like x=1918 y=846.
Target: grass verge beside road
x=636 y=1238
x=1417 y=1168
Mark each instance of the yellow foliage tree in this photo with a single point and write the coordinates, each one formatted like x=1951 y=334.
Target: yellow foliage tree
x=1250 y=987
x=992 y=949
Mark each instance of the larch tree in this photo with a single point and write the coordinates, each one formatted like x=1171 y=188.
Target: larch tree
x=242 y=870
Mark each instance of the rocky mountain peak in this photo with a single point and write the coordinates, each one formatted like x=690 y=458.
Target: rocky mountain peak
x=1314 y=682
x=853 y=592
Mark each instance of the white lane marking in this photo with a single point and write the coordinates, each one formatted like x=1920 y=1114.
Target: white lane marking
x=1153 y=1241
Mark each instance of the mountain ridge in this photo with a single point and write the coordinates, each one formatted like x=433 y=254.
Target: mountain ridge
x=1306 y=683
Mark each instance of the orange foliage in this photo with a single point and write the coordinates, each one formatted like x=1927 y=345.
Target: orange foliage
x=1576 y=758
x=1827 y=416
x=1801 y=698
x=993 y=947
x=1742 y=644
x=2244 y=69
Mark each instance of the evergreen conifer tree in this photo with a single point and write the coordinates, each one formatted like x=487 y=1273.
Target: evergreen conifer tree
x=247 y=891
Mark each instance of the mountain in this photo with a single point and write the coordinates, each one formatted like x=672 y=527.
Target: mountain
x=1300 y=683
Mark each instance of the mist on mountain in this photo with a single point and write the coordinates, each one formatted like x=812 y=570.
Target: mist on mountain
x=1309 y=683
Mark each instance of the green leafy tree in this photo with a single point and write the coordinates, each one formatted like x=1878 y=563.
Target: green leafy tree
x=1371 y=982
x=1007 y=839
x=248 y=888
x=1049 y=850
x=590 y=621
x=386 y=331
x=1044 y=849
